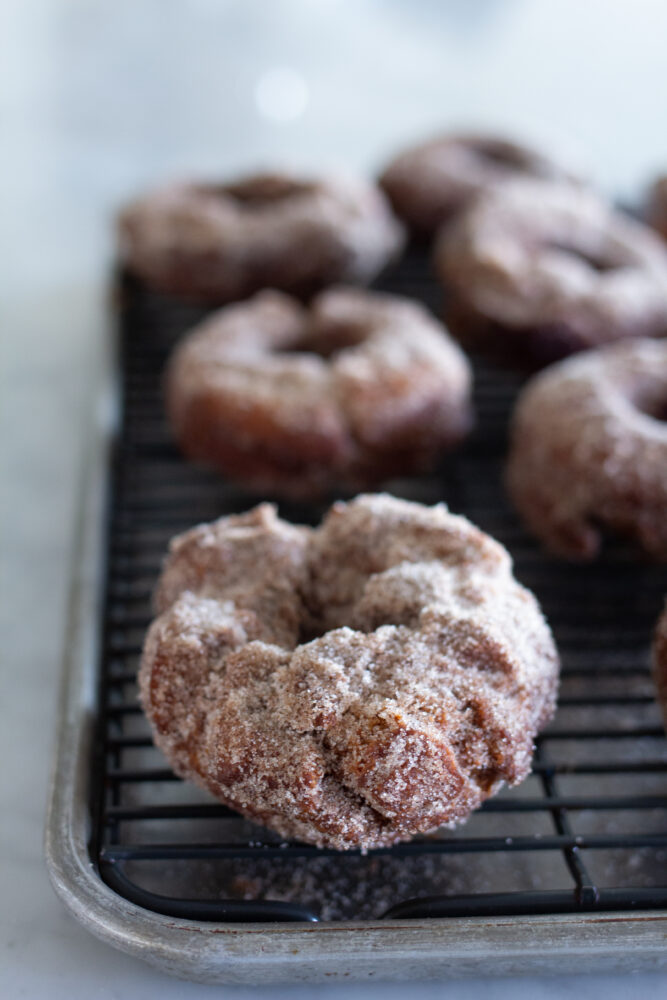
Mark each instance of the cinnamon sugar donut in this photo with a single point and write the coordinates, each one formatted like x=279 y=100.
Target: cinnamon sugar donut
x=656 y=210
x=428 y=184
x=350 y=685
x=660 y=662
x=542 y=270
x=357 y=388
x=222 y=242
x=589 y=449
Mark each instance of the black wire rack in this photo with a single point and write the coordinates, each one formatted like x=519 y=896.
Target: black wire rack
x=586 y=831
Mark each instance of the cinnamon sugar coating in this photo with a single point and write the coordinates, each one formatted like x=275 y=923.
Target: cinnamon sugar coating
x=545 y=270
x=350 y=685
x=429 y=183
x=660 y=662
x=222 y=242
x=589 y=449
x=359 y=387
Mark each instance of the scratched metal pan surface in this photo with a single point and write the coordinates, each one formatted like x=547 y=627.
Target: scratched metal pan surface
x=569 y=869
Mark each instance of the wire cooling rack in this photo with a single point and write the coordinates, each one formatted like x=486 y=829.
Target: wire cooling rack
x=586 y=832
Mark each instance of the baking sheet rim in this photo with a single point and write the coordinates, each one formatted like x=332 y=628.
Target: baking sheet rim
x=242 y=953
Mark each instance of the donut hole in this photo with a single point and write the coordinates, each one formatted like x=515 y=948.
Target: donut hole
x=309 y=631
x=326 y=342
x=597 y=261
x=265 y=190
x=652 y=402
x=367 y=613
x=314 y=625
x=500 y=154
x=659 y=413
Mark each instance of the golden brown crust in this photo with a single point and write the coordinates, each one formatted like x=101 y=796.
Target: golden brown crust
x=221 y=243
x=359 y=387
x=365 y=681
x=660 y=662
x=429 y=183
x=589 y=449
x=555 y=267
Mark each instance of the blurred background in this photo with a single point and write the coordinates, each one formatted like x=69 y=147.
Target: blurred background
x=100 y=99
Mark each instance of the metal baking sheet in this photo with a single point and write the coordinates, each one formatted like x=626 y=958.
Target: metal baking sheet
x=568 y=868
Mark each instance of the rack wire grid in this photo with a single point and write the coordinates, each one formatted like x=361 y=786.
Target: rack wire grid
x=587 y=831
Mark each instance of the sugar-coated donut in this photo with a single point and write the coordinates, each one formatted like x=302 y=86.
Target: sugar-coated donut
x=350 y=685
x=589 y=449
x=220 y=243
x=660 y=662
x=358 y=387
x=537 y=271
x=428 y=184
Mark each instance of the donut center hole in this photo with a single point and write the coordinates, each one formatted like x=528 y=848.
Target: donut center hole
x=599 y=262
x=309 y=632
x=652 y=404
x=265 y=190
x=326 y=343
x=500 y=154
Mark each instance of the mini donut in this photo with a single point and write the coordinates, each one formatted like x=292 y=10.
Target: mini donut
x=589 y=450
x=357 y=388
x=350 y=685
x=428 y=184
x=222 y=242
x=656 y=210
x=660 y=662
x=538 y=271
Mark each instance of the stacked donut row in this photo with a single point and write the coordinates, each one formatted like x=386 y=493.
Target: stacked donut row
x=381 y=675
x=354 y=388
x=534 y=262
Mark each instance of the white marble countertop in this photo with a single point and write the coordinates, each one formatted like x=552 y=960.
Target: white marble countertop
x=100 y=99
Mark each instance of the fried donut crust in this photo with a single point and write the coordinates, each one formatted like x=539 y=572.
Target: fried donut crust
x=357 y=388
x=350 y=685
x=589 y=450
x=429 y=183
x=535 y=272
x=220 y=243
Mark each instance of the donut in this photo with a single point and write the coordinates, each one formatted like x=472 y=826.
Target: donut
x=588 y=450
x=350 y=685
x=358 y=387
x=537 y=271
x=221 y=242
x=429 y=183
x=656 y=210
x=660 y=662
